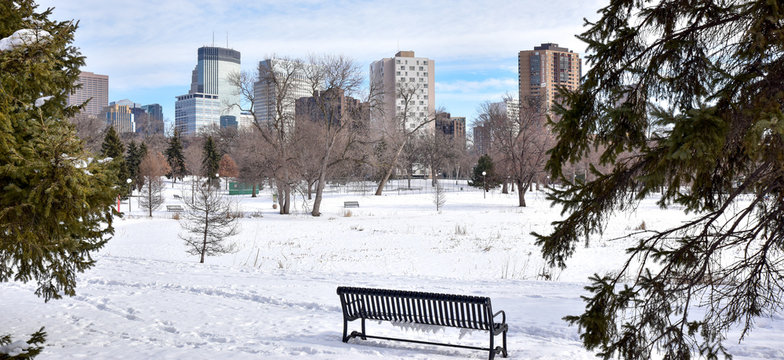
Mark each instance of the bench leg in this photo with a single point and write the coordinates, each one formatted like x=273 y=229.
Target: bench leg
x=363 y=329
x=345 y=330
x=492 y=348
x=504 y=349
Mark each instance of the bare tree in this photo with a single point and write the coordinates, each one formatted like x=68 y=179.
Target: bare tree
x=402 y=128
x=152 y=167
x=91 y=130
x=209 y=219
x=439 y=196
x=249 y=155
x=332 y=79
x=519 y=144
x=277 y=81
x=436 y=150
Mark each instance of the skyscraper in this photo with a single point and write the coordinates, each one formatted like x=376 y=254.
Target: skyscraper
x=122 y=115
x=152 y=121
x=401 y=76
x=543 y=69
x=211 y=94
x=266 y=90
x=95 y=88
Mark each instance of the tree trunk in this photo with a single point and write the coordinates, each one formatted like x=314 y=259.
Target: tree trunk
x=310 y=189
x=322 y=180
x=204 y=240
x=253 y=192
x=391 y=167
x=521 y=190
x=505 y=188
x=149 y=195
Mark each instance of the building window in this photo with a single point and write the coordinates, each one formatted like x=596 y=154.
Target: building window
x=421 y=68
x=398 y=72
x=397 y=61
x=425 y=62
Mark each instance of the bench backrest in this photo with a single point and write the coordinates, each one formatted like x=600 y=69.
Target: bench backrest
x=461 y=311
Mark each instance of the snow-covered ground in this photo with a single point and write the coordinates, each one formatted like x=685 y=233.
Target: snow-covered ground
x=275 y=297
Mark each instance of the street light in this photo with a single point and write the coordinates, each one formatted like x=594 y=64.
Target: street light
x=130 y=192
x=484 y=185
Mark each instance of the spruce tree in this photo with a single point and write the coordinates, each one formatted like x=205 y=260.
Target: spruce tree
x=132 y=160
x=490 y=179
x=211 y=160
x=113 y=148
x=175 y=158
x=715 y=151
x=56 y=201
x=112 y=145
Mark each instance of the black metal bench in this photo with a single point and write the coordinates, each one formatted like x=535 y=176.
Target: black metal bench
x=351 y=204
x=459 y=311
x=174 y=208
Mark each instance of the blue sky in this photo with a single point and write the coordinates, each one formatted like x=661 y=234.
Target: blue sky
x=148 y=48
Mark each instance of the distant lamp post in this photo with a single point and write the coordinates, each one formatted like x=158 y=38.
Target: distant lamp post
x=484 y=184
x=217 y=177
x=130 y=192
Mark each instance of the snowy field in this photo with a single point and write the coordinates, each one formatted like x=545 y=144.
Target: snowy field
x=275 y=297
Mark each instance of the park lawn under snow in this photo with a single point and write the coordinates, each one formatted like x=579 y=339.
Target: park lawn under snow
x=275 y=297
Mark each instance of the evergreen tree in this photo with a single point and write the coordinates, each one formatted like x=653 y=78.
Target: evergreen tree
x=56 y=202
x=175 y=158
x=211 y=160
x=490 y=179
x=113 y=148
x=112 y=145
x=132 y=160
x=716 y=152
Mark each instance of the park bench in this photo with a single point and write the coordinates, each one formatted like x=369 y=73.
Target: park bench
x=459 y=311
x=351 y=204
x=174 y=208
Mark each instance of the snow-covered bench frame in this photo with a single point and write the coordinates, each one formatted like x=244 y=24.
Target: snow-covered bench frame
x=460 y=311
x=351 y=204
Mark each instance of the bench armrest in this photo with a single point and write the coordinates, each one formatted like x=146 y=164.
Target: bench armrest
x=503 y=316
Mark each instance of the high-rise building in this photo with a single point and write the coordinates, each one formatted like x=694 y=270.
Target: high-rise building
x=151 y=122
x=121 y=115
x=193 y=112
x=211 y=94
x=95 y=88
x=481 y=139
x=405 y=76
x=341 y=108
x=543 y=69
x=452 y=126
x=266 y=90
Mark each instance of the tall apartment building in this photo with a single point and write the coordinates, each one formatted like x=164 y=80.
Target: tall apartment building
x=95 y=88
x=266 y=91
x=482 y=139
x=452 y=126
x=340 y=108
x=211 y=95
x=402 y=76
x=543 y=69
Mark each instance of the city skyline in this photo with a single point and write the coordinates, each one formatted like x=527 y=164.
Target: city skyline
x=474 y=45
